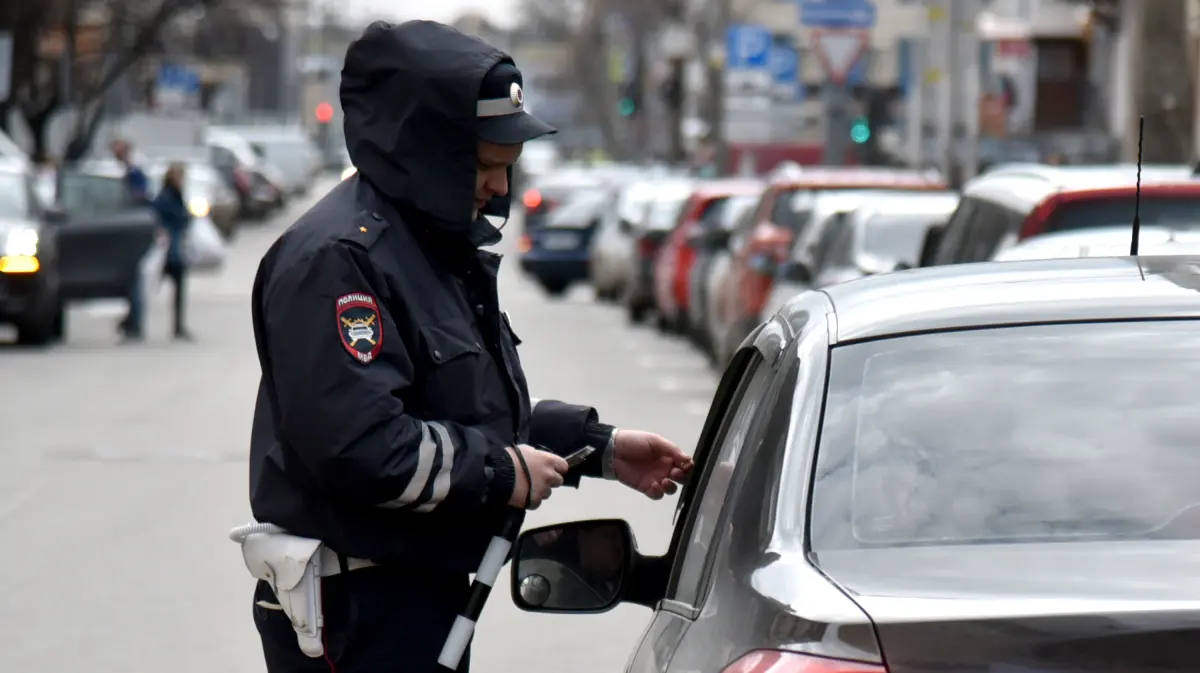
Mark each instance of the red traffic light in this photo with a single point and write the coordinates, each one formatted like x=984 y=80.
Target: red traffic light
x=324 y=113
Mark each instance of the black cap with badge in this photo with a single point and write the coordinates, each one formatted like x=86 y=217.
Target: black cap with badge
x=501 y=114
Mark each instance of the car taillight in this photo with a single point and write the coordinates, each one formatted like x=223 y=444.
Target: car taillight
x=525 y=244
x=776 y=661
x=532 y=199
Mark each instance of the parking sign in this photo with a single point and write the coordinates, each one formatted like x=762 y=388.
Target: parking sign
x=748 y=47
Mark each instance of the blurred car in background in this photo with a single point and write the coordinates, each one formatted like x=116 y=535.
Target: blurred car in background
x=288 y=150
x=712 y=262
x=88 y=245
x=556 y=253
x=611 y=263
x=677 y=256
x=241 y=169
x=858 y=234
x=779 y=218
x=545 y=195
x=669 y=197
x=1015 y=203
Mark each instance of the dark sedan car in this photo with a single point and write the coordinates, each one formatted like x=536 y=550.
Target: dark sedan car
x=983 y=468
x=556 y=253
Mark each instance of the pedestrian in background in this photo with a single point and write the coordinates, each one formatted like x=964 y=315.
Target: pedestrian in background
x=175 y=218
x=138 y=186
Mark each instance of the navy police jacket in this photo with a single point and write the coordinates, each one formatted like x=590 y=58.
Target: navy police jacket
x=391 y=382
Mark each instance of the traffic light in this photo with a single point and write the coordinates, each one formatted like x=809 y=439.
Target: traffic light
x=860 y=130
x=324 y=112
x=630 y=100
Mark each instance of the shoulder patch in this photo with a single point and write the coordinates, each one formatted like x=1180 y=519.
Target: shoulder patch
x=365 y=230
x=359 y=325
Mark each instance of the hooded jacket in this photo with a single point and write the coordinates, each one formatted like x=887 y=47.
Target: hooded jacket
x=391 y=383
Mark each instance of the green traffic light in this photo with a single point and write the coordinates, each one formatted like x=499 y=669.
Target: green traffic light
x=625 y=107
x=860 y=132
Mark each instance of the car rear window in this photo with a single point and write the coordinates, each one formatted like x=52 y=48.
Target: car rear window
x=897 y=238
x=1034 y=433
x=1173 y=212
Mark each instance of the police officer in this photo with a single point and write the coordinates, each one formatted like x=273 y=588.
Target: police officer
x=394 y=422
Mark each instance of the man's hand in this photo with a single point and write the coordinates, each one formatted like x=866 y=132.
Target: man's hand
x=546 y=472
x=649 y=463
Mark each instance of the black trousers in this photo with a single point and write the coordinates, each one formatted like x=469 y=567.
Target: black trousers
x=377 y=620
x=177 y=273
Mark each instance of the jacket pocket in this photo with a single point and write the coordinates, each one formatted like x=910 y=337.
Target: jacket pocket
x=449 y=341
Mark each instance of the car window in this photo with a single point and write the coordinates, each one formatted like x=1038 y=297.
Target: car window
x=1172 y=212
x=87 y=194
x=581 y=206
x=700 y=522
x=991 y=225
x=950 y=248
x=839 y=251
x=793 y=208
x=714 y=212
x=1046 y=433
x=736 y=208
x=16 y=196
x=895 y=238
x=827 y=233
x=665 y=210
x=222 y=157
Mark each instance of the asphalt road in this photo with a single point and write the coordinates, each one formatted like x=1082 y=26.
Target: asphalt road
x=123 y=467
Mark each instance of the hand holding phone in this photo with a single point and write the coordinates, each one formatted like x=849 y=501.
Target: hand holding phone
x=576 y=459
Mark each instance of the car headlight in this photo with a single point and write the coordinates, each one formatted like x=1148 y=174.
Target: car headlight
x=348 y=171
x=199 y=207
x=21 y=242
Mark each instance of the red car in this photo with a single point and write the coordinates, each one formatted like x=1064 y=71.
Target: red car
x=673 y=264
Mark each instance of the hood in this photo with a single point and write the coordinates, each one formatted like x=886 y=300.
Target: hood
x=409 y=94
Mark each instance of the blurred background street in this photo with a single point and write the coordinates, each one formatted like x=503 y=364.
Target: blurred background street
x=711 y=154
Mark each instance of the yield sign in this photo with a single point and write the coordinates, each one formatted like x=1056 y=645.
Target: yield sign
x=839 y=50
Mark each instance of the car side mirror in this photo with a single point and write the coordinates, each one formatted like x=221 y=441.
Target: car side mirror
x=795 y=272
x=577 y=567
x=55 y=214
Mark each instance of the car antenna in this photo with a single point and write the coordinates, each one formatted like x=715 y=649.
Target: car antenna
x=1137 y=192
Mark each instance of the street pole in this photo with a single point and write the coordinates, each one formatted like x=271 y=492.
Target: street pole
x=837 y=122
x=969 y=45
x=942 y=54
x=716 y=72
x=915 y=112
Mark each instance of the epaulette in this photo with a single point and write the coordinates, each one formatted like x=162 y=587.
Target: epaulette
x=365 y=229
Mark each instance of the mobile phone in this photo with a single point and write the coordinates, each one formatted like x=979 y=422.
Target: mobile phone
x=577 y=458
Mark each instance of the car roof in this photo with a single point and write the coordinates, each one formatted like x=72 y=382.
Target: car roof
x=841 y=177
x=1102 y=242
x=715 y=189
x=1024 y=187
x=987 y=294
x=907 y=203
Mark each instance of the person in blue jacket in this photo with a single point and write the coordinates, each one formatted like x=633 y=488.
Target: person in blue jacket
x=175 y=219
x=138 y=187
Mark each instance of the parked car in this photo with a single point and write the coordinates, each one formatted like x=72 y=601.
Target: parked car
x=548 y=193
x=662 y=213
x=88 y=245
x=556 y=253
x=238 y=165
x=779 y=218
x=858 y=234
x=1009 y=205
x=990 y=468
x=288 y=150
x=712 y=264
x=611 y=263
x=677 y=256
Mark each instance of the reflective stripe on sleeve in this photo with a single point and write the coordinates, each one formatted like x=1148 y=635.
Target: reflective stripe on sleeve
x=441 y=483
x=426 y=450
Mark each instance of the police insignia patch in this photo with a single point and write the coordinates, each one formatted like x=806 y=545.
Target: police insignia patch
x=359 y=325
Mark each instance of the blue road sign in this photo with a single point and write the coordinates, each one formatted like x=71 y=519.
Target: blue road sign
x=857 y=14
x=748 y=47
x=784 y=65
x=178 y=78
